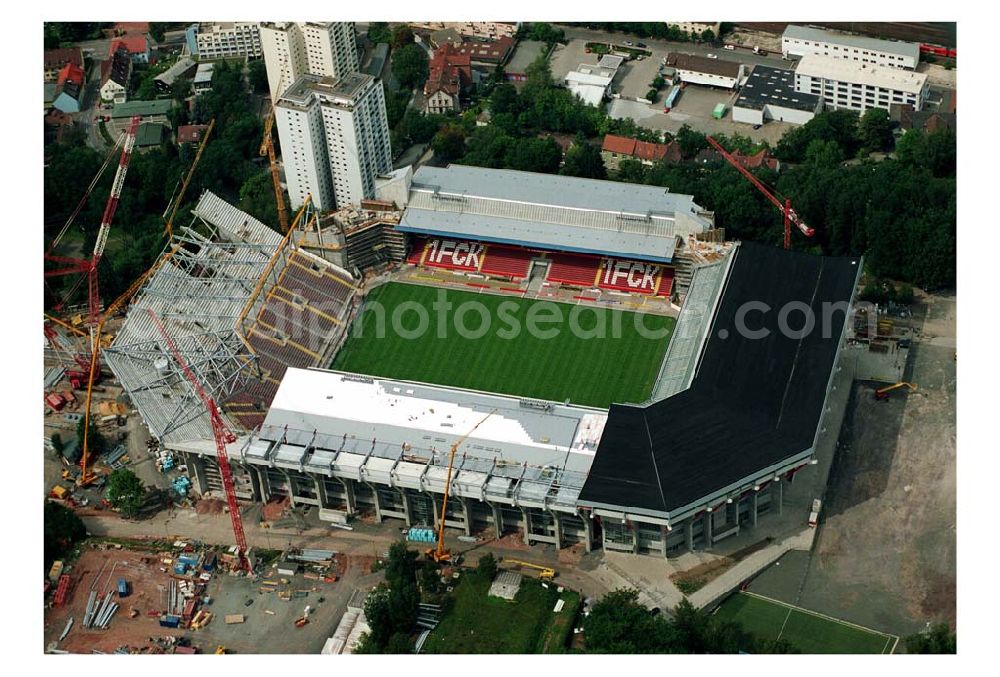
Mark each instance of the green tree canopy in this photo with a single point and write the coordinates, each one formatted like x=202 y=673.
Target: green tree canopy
x=125 y=492
x=690 y=141
x=584 y=159
x=63 y=529
x=487 y=566
x=449 y=143
x=875 y=131
x=938 y=639
x=378 y=31
x=410 y=65
x=402 y=35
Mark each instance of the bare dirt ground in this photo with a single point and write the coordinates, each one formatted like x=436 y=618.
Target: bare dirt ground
x=885 y=553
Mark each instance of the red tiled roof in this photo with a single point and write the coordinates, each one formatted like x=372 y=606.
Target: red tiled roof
x=618 y=144
x=645 y=150
x=449 y=71
x=57 y=58
x=134 y=45
x=190 y=133
x=71 y=73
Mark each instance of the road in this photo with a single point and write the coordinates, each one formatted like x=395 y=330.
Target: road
x=742 y=55
x=366 y=540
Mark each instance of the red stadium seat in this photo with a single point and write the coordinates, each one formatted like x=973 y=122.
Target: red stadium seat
x=506 y=262
x=579 y=271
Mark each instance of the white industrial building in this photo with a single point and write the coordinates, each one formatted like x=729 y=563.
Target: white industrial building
x=293 y=49
x=592 y=82
x=769 y=94
x=803 y=40
x=334 y=139
x=855 y=86
x=700 y=70
x=228 y=39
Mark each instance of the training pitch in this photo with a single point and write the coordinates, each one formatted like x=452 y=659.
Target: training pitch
x=531 y=348
x=806 y=631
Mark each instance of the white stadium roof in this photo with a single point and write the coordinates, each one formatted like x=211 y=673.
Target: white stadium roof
x=551 y=211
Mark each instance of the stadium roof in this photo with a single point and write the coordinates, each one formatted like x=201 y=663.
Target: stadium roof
x=841 y=70
x=197 y=292
x=754 y=403
x=394 y=416
x=776 y=87
x=910 y=50
x=549 y=211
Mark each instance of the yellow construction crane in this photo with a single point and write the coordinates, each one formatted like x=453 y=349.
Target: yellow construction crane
x=187 y=179
x=883 y=393
x=544 y=573
x=439 y=554
x=267 y=148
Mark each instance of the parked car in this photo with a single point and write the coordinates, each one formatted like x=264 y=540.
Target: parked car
x=628 y=43
x=640 y=44
x=730 y=47
x=712 y=56
x=757 y=126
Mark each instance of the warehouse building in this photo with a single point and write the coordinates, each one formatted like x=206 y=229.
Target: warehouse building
x=700 y=70
x=844 y=84
x=769 y=94
x=803 y=40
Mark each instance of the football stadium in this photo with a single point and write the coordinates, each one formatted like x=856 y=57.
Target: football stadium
x=618 y=374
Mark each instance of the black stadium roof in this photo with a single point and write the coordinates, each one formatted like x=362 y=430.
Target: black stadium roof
x=753 y=403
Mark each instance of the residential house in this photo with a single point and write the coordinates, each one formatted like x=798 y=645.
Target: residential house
x=184 y=67
x=486 y=55
x=761 y=158
x=69 y=89
x=618 y=148
x=116 y=73
x=450 y=75
x=190 y=134
x=137 y=47
x=926 y=121
x=203 y=78
x=55 y=59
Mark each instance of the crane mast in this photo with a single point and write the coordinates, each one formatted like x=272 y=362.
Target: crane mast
x=223 y=436
x=785 y=207
x=439 y=554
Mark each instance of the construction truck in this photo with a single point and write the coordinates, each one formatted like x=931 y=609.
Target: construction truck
x=544 y=573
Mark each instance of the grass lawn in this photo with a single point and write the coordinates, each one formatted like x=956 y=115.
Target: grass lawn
x=478 y=623
x=596 y=356
x=808 y=632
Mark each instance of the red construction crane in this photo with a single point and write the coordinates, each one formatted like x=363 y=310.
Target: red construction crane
x=223 y=436
x=89 y=266
x=785 y=207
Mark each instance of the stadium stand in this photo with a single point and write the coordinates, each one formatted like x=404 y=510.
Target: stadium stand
x=579 y=271
x=507 y=262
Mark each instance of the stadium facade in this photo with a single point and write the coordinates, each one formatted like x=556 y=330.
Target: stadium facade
x=734 y=414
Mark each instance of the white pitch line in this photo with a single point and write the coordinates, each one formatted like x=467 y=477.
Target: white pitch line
x=819 y=615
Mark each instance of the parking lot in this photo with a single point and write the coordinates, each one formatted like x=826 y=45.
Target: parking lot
x=694 y=109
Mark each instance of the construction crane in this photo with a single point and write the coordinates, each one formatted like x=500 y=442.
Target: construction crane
x=544 y=573
x=187 y=179
x=267 y=148
x=223 y=436
x=883 y=393
x=784 y=206
x=89 y=266
x=440 y=554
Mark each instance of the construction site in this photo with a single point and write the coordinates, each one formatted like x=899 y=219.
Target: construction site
x=211 y=378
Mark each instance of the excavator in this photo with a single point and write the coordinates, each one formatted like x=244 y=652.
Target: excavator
x=440 y=554
x=883 y=393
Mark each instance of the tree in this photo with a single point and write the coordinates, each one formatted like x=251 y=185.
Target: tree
x=652 y=94
x=690 y=141
x=938 y=639
x=402 y=35
x=875 y=131
x=708 y=35
x=157 y=30
x=257 y=76
x=430 y=578
x=449 y=143
x=583 y=159
x=504 y=100
x=96 y=443
x=825 y=153
x=546 y=33
x=400 y=642
x=125 y=492
x=410 y=66
x=257 y=197
x=535 y=155
x=401 y=567
x=487 y=566
x=63 y=529
x=378 y=31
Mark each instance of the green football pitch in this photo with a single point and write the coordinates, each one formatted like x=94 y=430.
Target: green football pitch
x=806 y=631
x=554 y=351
